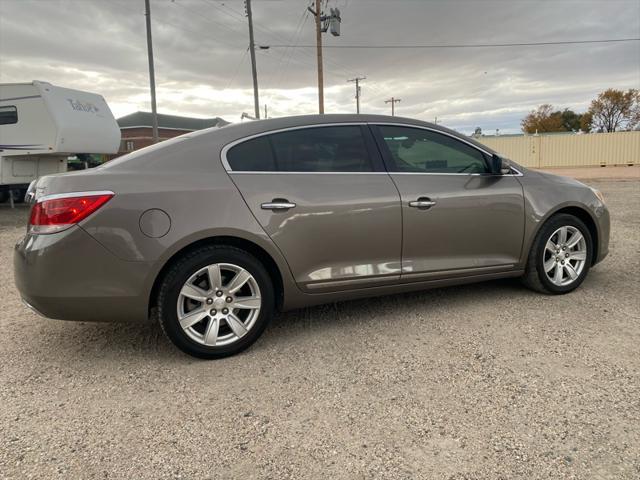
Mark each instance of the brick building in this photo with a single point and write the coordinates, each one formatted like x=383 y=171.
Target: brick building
x=137 y=131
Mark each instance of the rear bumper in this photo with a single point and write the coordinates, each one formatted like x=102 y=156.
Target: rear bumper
x=70 y=276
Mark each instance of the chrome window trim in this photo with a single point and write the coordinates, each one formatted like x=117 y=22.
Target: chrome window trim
x=410 y=125
x=518 y=172
x=487 y=174
x=431 y=129
x=225 y=149
x=57 y=196
x=228 y=146
x=258 y=172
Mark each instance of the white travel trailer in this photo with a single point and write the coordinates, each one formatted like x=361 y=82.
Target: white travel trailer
x=42 y=124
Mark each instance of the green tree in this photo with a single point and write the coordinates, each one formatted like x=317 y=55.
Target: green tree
x=615 y=110
x=570 y=119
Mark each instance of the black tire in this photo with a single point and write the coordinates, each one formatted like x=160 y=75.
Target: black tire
x=179 y=273
x=535 y=277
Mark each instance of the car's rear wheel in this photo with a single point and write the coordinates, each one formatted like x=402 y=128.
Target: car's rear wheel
x=560 y=257
x=215 y=301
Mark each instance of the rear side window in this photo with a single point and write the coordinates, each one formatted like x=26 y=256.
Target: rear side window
x=319 y=149
x=254 y=155
x=8 y=115
x=423 y=151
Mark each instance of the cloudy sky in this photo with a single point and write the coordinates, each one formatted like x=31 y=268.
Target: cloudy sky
x=203 y=69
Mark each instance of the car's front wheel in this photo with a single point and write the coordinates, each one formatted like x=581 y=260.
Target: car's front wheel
x=215 y=301
x=560 y=257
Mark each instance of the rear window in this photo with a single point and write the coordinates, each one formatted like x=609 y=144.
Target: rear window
x=8 y=115
x=316 y=149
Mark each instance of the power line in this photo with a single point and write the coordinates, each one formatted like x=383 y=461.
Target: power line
x=235 y=72
x=279 y=72
x=462 y=45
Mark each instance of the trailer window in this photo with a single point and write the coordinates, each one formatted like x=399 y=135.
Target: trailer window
x=8 y=115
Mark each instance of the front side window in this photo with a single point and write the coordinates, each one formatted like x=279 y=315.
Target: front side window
x=315 y=149
x=423 y=151
x=8 y=115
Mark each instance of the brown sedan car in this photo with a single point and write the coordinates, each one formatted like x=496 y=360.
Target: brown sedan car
x=213 y=231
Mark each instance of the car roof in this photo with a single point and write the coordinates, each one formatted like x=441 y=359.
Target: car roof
x=237 y=131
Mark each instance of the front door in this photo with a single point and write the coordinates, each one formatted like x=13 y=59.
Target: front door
x=458 y=219
x=322 y=195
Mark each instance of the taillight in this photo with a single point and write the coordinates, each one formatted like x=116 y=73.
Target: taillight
x=59 y=212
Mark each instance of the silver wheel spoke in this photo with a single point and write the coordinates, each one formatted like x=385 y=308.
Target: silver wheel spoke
x=236 y=325
x=575 y=238
x=238 y=281
x=211 y=334
x=215 y=278
x=194 y=293
x=579 y=255
x=557 y=278
x=193 y=317
x=570 y=271
x=552 y=247
x=249 y=303
x=549 y=264
x=562 y=236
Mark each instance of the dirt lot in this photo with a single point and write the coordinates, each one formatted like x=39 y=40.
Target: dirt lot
x=481 y=381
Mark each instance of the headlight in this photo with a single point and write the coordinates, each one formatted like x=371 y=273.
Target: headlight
x=598 y=194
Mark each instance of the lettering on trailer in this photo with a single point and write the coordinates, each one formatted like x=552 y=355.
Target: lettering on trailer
x=83 y=106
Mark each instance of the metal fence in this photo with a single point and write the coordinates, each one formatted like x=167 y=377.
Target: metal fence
x=593 y=149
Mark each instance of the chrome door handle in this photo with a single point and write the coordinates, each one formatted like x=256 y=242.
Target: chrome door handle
x=422 y=203
x=277 y=204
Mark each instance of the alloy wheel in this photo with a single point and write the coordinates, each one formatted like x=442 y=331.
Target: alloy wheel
x=565 y=256
x=219 y=304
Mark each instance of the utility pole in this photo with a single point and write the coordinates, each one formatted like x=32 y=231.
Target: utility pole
x=323 y=24
x=393 y=102
x=252 y=52
x=265 y=111
x=318 y=14
x=357 y=80
x=152 y=75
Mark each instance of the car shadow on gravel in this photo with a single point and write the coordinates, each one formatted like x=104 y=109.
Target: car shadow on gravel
x=87 y=340
x=403 y=305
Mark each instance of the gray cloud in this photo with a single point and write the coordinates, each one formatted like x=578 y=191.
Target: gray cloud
x=202 y=65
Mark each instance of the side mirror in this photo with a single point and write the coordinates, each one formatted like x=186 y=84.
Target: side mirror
x=497 y=167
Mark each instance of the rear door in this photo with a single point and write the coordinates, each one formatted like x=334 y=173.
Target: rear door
x=322 y=195
x=458 y=219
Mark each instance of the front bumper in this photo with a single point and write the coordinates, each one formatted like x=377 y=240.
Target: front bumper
x=604 y=231
x=70 y=276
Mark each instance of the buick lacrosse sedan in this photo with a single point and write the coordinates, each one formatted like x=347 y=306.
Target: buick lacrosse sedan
x=212 y=232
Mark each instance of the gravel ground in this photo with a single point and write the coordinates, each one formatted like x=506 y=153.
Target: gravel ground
x=480 y=381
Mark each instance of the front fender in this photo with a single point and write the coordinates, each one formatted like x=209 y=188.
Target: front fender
x=546 y=195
